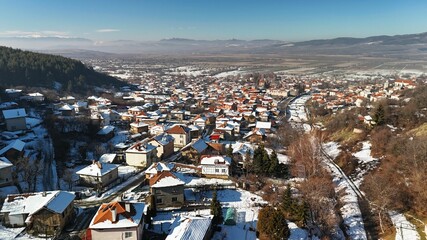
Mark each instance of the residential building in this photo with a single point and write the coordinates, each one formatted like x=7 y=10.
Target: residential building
x=6 y=168
x=43 y=213
x=141 y=155
x=215 y=166
x=118 y=220
x=13 y=151
x=165 y=145
x=181 y=135
x=15 y=119
x=167 y=189
x=98 y=174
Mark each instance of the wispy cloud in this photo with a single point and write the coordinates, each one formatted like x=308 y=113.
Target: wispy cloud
x=35 y=34
x=108 y=30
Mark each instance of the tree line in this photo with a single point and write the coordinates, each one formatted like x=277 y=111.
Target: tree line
x=25 y=68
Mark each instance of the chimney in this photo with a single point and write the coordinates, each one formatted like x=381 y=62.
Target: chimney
x=113 y=214
x=127 y=207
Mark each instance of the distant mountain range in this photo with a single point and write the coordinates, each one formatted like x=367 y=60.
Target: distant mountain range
x=412 y=44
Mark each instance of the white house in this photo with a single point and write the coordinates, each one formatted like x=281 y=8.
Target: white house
x=191 y=228
x=141 y=155
x=98 y=173
x=215 y=166
x=15 y=119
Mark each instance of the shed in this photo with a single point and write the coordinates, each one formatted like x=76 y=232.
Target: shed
x=230 y=217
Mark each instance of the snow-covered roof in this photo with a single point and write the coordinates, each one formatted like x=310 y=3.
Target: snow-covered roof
x=125 y=218
x=16 y=144
x=140 y=147
x=189 y=227
x=165 y=179
x=29 y=203
x=157 y=167
x=164 y=138
x=14 y=113
x=66 y=107
x=97 y=169
x=4 y=163
x=215 y=160
x=107 y=157
x=106 y=130
x=199 y=145
x=263 y=125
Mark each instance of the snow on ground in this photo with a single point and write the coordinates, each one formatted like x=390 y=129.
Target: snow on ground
x=281 y=157
x=350 y=210
x=404 y=229
x=366 y=163
x=192 y=181
x=9 y=233
x=229 y=73
x=296 y=232
x=332 y=148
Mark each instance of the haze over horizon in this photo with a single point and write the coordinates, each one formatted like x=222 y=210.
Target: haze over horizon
x=210 y=20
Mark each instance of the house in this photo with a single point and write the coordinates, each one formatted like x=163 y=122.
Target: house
x=255 y=136
x=167 y=189
x=13 y=150
x=181 y=134
x=43 y=213
x=138 y=127
x=106 y=133
x=191 y=228
x=98 y=173
x=164 y=143
x=194 y=150
x=215 y=166
x=6 y=168
x=15 y=119
x=141 y=155
x=34 y=97
x=156 y=168
x=118 y=220
x=67 y=110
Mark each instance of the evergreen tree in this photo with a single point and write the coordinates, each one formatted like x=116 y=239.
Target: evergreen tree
x=272 y=224
x=216 y=209
x=265 y=162
x=379 y=116
x=258 y=159
x=287 y=200
x=274 y=164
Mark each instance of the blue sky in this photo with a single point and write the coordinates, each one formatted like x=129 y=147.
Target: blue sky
x=291 y=20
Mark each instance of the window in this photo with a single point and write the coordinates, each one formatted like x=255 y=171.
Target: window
x=174 y=199
x=223 y=170
x=217 y=170
x=128 y=234
x=181 y=136
x=159 y=200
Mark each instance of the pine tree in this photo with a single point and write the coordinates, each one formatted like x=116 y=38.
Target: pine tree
x=379 y=116
x=216 y=209
x=258 y=159
x=287 y=200
x=272 y=224
x=274 y=164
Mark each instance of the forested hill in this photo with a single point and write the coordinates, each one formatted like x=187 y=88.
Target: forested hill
x=30 y=69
